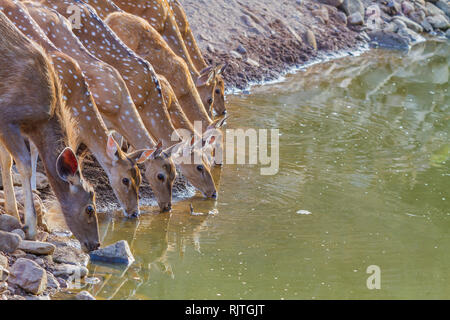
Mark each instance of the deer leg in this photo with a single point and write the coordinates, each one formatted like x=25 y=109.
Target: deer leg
x=34 y=158
x=15 y=144
x=8 y=187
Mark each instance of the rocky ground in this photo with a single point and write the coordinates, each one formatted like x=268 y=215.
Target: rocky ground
x=261 y=39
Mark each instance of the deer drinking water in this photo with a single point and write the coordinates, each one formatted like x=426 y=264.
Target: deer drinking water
x=144 y=87
x=112 y=97
x=121 y=169
x=32 y=106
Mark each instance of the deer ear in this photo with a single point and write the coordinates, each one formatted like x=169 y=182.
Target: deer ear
x=143 y=155
x=112 y=148
x=67 y=164
x=222 y=68
x=205 y=78
x=175 y=150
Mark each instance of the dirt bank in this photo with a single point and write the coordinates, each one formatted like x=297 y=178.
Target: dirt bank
x=262 y=38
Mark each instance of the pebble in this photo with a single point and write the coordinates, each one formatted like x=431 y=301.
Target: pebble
x=37 y=247
x=118 y=252
x=28 y=275
x=9 y=242
x=9 y=223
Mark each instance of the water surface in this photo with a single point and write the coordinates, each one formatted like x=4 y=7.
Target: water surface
x=364 y=180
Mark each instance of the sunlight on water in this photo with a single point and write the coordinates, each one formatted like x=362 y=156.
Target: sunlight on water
x=364 y=180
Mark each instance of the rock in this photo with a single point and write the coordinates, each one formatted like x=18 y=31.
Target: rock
x=18 y=254
x=352 y=6
x=439 y=22
x=393 y=7
x=236 y=54
x=252 y=62
x=444 y=6
x=322 y=13
x=407 y=7
x=70 y=271
x=333 y=3
x=433 y=10
x=210 y=48
x=409 y=23
x=241 y=49
x=4 y=274
x=447 y=34
x=388 y=40
x=3 y=288
x=118 y=252
x=9 y=223
x=356 y=19
x=311 y=39
x=341 y=17
x=399 y=25
x=52 y=282
x=62 y=283
x=37 y=247
x=410 y=35
x=67 y=253
x=29 y=276
x=20 y=233
x=84 y=295
x=9 y=242
x=3 y=261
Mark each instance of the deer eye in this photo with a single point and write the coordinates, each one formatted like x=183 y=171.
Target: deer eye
x=217 y=91
x=160 y=177
x=126 y=181
x=200 y=168
x=210 y=101
x=90 y=210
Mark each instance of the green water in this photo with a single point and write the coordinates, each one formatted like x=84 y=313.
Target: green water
x=364 y=149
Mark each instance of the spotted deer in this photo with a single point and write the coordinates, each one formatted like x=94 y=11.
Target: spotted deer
x=32 y=106
x=160 y=16
x=111 y=95
x=144 y=86
x=121 y=169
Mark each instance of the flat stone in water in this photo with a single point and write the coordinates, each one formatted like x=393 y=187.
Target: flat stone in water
x=118 y=252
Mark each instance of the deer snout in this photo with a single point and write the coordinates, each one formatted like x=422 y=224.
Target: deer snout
x=91 y=246
x=165 y=207
x=224 y=112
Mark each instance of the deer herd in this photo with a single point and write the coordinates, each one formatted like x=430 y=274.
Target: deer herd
x=92 y=72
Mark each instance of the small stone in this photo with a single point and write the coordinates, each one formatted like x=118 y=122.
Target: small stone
x=433 y=10
x=352 y=6
x=3 y=288
x=118 y=252
x=311 y=39
x=356 y=19
x=210 y=48
x=9 y=223
x=444 y=6
x=426 y=26
x=3 y=261
x=37 y=247
x=70 y=271
x=252 y=62
x=4 y=274
x=407 y=7
x=333 y=3
x=9 y=242
x=409 y=23
x=241 y=49
x=235 y=54
x=20 y=233
x=447 y=34
x=52 y=282
x=341 y=17
x=84 y=295
x=18 y=254
x=29 y=276
x=439 y=22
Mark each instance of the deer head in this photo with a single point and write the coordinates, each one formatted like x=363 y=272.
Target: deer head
x=160 y=173
x=79 y=204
